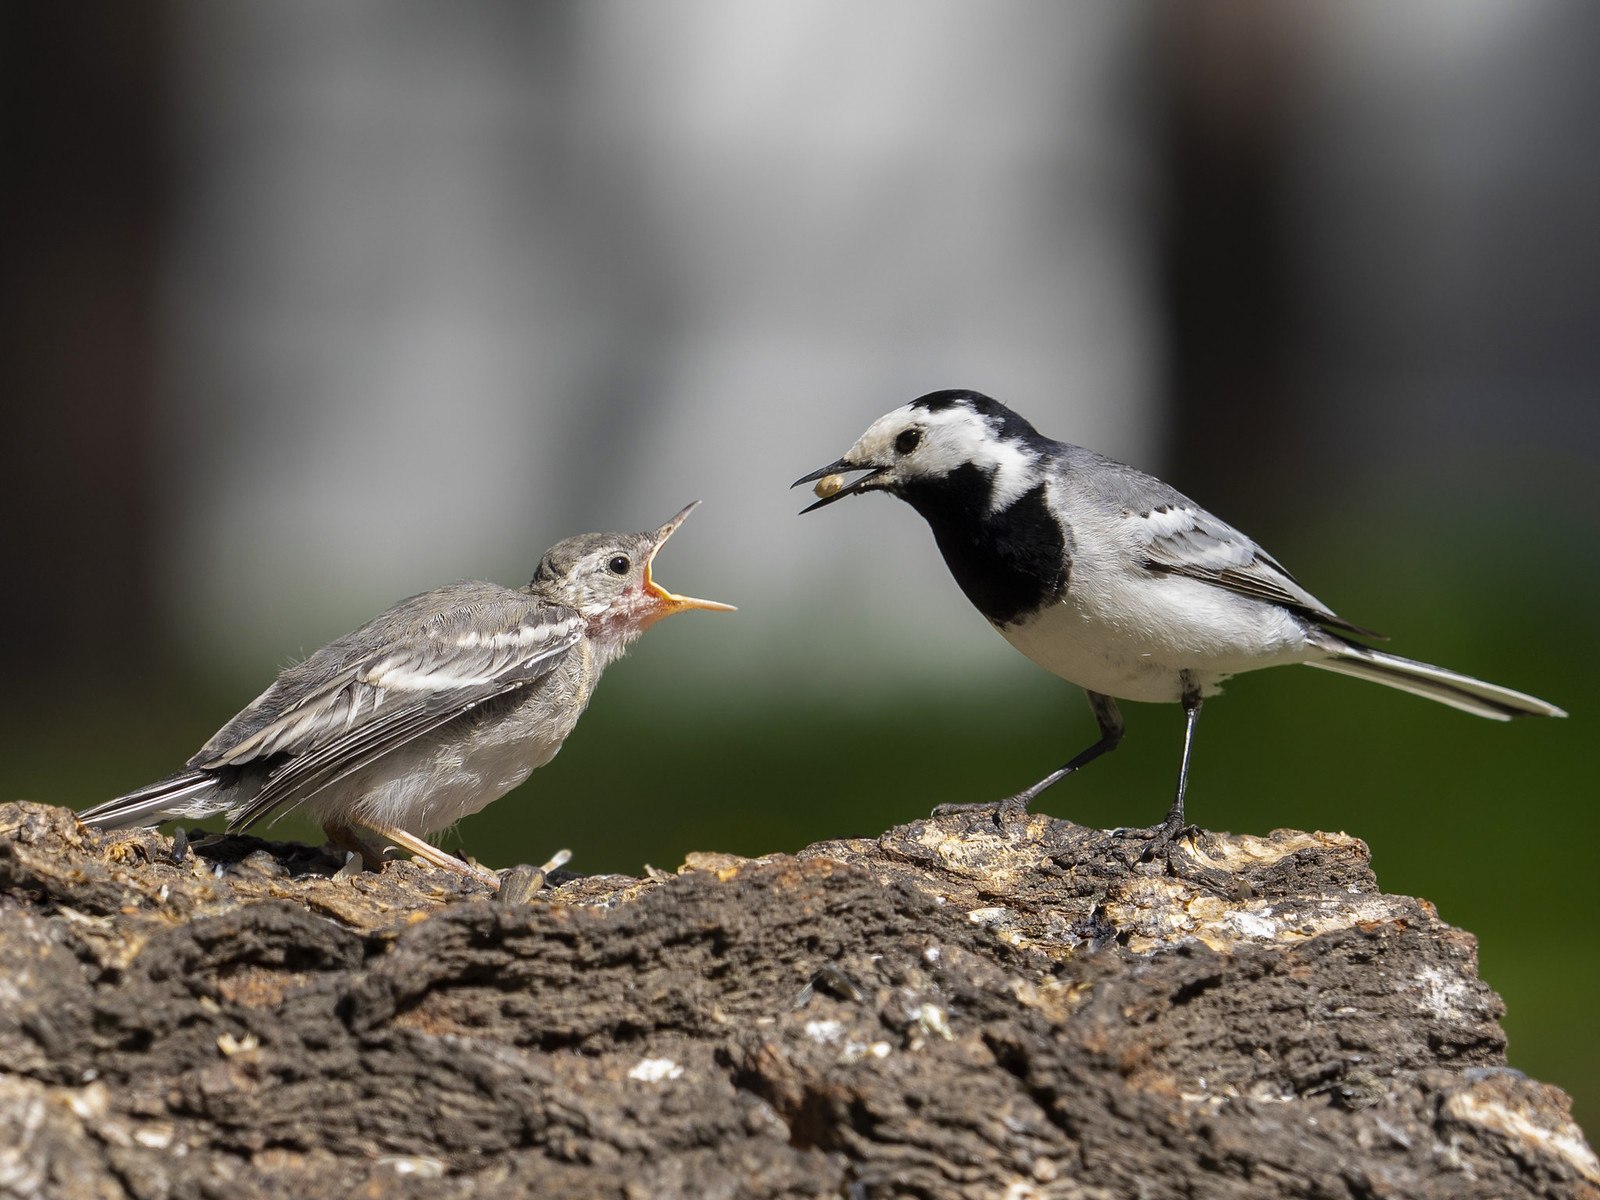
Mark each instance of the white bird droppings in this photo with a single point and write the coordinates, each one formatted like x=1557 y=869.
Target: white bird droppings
x=413 y=1164
x=1253 y=925
x=1445 y=996
x=654 y=1070
x=934 y=1021
x=825 y=1032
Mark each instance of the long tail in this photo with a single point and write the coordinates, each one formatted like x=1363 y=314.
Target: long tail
x=186 y=794
x=1421 y=679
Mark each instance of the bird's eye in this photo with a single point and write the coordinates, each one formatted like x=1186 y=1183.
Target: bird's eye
x=908 y=441
x=620 y=564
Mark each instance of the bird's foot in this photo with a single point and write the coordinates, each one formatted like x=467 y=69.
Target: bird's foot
x=1163 y=843
x=359 y=852
x=1004 y=813
x=374 y=854
x=1159 y=840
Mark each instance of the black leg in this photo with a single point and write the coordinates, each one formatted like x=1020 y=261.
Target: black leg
x=1012 y=808
x=1191 y=718
x=1163 y=835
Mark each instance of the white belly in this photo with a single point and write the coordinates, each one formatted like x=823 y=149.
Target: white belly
x=1136 y=640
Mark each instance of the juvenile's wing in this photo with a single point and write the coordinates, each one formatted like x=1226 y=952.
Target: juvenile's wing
x=1184 y=539
x=423 y=663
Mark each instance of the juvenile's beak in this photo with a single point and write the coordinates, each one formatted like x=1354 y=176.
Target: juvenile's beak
x=668 y=602
x=840 y=466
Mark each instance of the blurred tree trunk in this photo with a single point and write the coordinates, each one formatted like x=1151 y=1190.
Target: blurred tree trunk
x=1226 y=105
x=83 y=212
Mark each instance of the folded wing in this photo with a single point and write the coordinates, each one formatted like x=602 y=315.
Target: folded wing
x=342 y=709
x=1191 y=542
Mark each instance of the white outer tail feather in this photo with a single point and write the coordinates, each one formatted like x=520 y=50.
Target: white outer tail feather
x=183 y=795
x=1435 y=683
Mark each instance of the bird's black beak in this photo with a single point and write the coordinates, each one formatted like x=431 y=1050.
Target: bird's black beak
x=841 y=466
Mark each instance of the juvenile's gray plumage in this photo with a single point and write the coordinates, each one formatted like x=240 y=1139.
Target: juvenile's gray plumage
x=431 y=710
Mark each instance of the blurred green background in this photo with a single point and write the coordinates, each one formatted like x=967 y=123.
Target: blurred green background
x=304 y=308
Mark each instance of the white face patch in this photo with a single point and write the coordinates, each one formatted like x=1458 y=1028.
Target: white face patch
x=951 y=438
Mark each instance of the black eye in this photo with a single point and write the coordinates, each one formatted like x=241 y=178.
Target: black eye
x=908 y=441
x=620 y=564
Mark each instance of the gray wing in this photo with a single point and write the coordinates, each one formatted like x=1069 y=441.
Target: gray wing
x=1187 y=540
x=425 y=662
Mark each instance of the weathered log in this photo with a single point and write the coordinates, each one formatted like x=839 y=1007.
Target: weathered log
x=947 y=1010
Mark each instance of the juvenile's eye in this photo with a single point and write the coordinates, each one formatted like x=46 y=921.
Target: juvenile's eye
x=908 y=441
x=620 y=564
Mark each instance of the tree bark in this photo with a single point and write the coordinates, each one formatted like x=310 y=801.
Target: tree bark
x=947 y=1010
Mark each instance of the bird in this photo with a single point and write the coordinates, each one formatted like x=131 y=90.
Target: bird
x=1112 y=580
x=430 y=711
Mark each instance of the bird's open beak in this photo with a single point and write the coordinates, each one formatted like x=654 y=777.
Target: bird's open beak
x=841 y=466
x=669 y=602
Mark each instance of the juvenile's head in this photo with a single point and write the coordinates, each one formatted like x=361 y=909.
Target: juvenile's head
x=606 y=578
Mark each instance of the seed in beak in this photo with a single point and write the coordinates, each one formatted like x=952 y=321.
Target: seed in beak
x=828 y=485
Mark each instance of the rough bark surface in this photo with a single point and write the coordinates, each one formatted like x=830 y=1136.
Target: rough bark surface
x=947 y=1010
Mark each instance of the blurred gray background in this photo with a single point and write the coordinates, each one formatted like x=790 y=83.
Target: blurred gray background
x=308 y=307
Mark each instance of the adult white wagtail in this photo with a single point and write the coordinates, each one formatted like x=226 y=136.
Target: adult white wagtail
x=1109 y=578
x=431 y=710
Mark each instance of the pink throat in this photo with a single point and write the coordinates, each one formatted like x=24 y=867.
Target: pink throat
x=624 y=623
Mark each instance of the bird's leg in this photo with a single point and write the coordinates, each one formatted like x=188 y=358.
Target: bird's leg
x=1012 y=808
x=348 y=840
x=347 y=837
x=1163 y=835
x=433 y=855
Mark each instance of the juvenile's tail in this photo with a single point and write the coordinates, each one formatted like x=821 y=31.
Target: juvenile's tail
x=1447 y=687
x=186 y=794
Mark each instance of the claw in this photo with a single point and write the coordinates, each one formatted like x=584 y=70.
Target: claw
x=1004 y=813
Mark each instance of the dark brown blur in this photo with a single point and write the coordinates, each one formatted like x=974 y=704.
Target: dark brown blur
x=83 y=210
